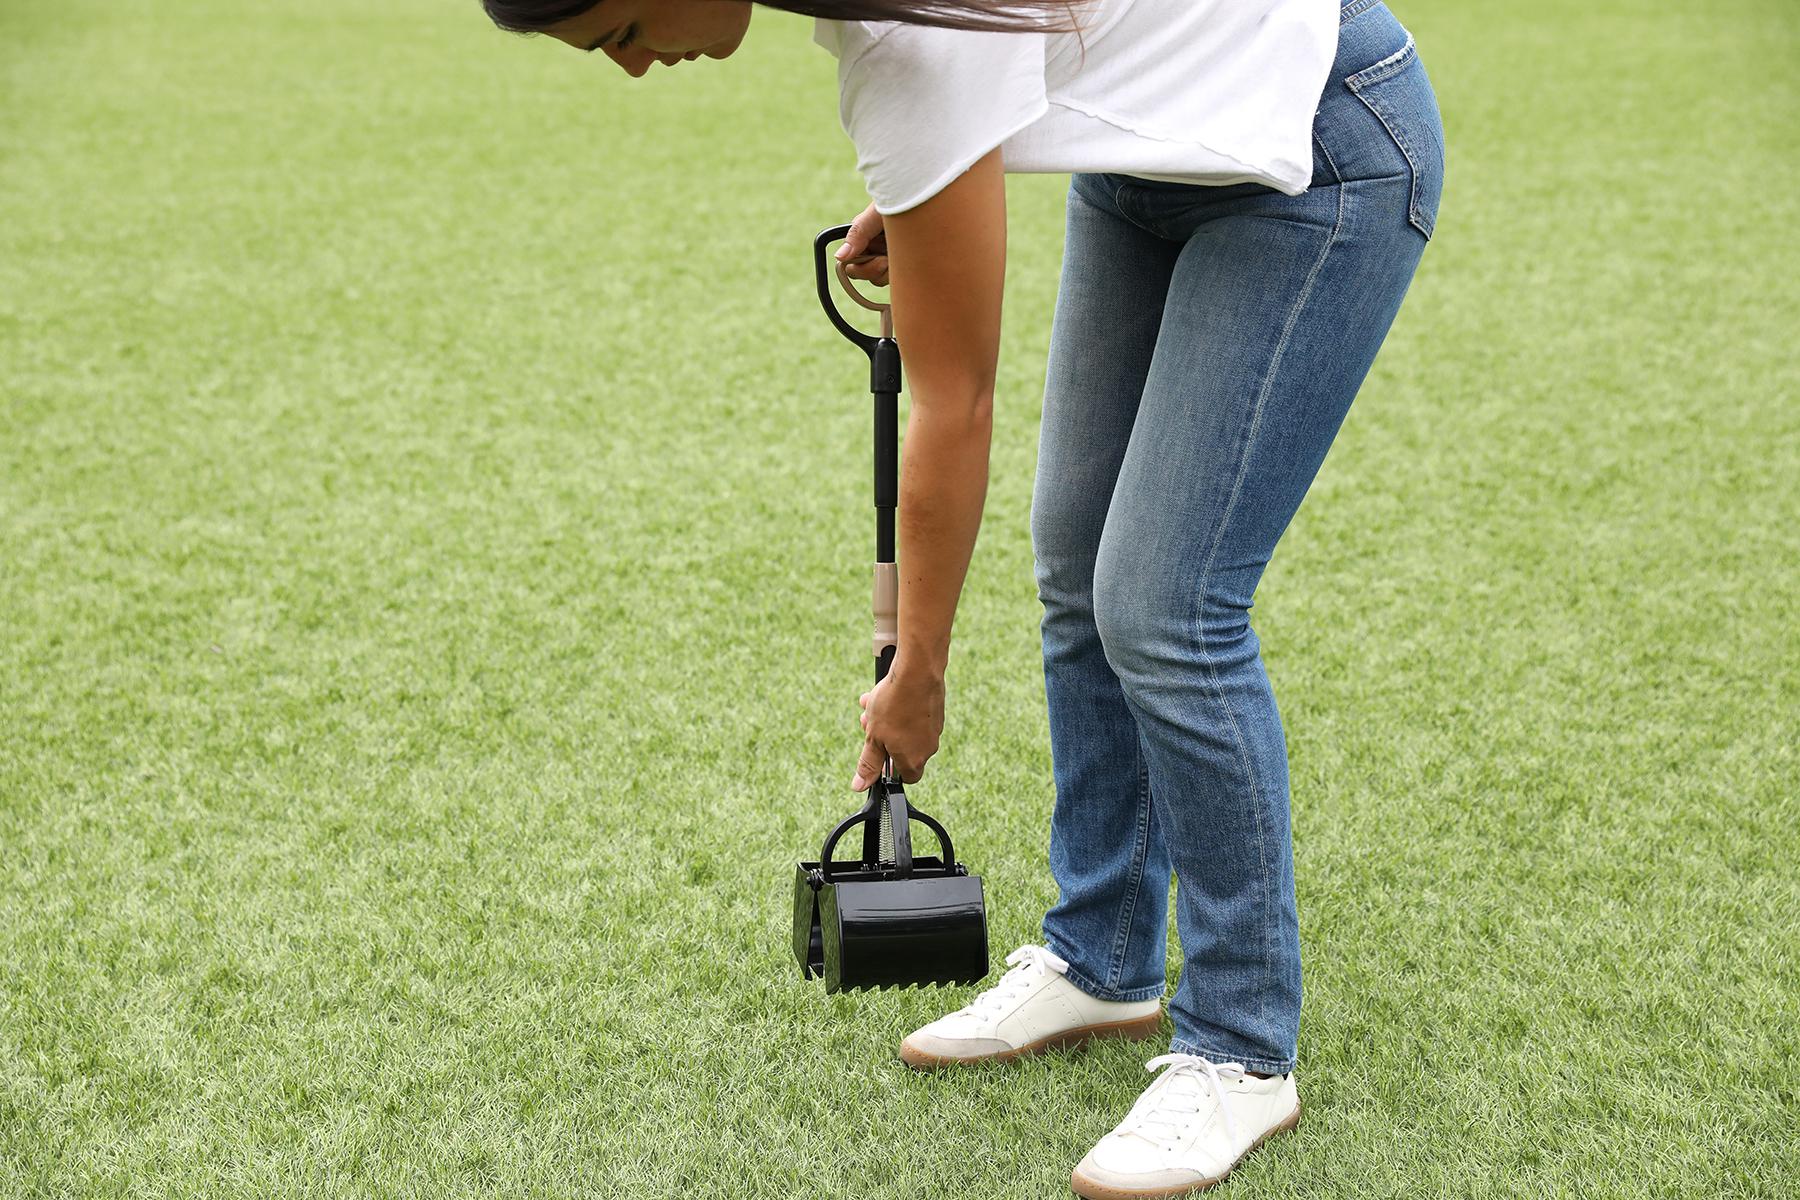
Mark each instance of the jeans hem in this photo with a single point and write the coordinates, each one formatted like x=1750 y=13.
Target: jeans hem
x=1105 y=993
x=1271 y=1066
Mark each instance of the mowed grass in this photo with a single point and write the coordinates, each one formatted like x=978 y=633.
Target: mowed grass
x=434 y=542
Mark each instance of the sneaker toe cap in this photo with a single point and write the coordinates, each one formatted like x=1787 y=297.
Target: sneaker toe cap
x=926 y=1042
x=1150 y=1182
x=1130 y=1166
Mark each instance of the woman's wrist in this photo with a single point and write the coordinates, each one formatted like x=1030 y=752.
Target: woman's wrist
x=920 y=663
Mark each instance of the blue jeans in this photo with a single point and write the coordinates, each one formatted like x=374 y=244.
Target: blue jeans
x=1206 y=345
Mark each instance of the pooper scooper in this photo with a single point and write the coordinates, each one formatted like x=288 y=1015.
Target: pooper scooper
x=889 y=918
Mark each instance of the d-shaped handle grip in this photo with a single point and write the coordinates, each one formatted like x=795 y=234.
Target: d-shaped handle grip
x=820 y=258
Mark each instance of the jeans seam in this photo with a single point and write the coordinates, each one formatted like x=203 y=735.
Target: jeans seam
x=1126 y=211
x=1212 y=553
x=1387 y=68
x=1140 y=851
x=1354 y=9
x=1393 y=64
x=1335 y=174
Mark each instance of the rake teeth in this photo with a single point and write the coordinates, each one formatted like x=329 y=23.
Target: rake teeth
x=933 y=984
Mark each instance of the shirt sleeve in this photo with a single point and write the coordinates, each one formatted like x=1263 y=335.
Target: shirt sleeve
x=922 y=104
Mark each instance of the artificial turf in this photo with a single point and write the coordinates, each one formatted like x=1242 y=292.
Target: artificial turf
x=434 y=542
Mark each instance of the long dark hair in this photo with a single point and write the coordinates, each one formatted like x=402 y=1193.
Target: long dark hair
x=535 y=16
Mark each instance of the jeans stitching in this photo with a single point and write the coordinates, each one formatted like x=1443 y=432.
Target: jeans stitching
x=1128 y=214
x=1355 y=9
x=1337 y=176
x=1387 y=69
x=1212 y=674
x=1237 y=484
x=1140 y=850
x=1393 y=64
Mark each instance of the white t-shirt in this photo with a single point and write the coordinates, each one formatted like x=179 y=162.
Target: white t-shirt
x=1194 y=91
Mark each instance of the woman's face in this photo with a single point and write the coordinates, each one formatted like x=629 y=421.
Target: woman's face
x=666 y=31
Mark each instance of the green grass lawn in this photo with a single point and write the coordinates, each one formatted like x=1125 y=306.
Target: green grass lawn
x=434 y=543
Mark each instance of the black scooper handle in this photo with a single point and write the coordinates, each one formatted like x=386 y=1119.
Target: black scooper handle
x=884 y=385
x=863 y=340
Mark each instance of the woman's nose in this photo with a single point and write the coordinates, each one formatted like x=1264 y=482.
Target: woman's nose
x=633 y=62
x=638 y=62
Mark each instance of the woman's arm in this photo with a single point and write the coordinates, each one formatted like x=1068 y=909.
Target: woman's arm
x=947 y=272
x=946 y=269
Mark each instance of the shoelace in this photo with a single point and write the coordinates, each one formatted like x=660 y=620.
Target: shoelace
x=1176 y=1097
x=1029 y=964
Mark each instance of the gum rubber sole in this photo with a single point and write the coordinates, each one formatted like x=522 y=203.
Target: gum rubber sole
x=1135 y=1029
x=1091 y=1190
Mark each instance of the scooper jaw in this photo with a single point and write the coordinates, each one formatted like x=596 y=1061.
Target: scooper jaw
x=890 y=923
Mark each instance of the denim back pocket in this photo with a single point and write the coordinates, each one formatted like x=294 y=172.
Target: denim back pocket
x=1398 y=92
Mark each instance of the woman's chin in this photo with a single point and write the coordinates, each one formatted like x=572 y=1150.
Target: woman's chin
x=723 y=49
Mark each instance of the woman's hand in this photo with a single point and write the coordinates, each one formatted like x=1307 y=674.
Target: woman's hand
x=864 y=252
x=903 y=717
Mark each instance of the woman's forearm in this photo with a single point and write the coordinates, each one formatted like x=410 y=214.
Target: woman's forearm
x=943 y=487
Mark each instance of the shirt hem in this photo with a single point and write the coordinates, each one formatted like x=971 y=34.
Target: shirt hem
x=962 y=164
x=1120 y=123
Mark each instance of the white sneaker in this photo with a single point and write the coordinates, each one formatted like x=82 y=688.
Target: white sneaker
x=1189 y=1128
x=1033 y=1007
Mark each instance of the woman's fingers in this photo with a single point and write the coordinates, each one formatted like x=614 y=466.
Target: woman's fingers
x=875 y=271
x=867 y=232
x=865 y=240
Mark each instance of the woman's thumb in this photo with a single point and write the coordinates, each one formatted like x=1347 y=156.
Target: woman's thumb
x=860 y=232
x=874 y=757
